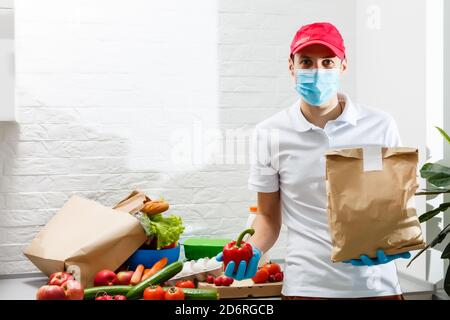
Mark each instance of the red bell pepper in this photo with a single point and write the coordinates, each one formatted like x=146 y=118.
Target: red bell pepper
x=238 y=250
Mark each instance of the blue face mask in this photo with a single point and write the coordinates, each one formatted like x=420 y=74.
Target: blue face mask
x=317 y=86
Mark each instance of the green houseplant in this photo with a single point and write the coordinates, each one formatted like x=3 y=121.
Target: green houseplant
x=438 y=178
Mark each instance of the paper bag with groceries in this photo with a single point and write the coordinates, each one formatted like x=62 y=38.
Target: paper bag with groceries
x=370 y=195
x=85 y=237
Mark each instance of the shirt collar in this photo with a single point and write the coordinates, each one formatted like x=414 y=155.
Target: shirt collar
x=300 y=123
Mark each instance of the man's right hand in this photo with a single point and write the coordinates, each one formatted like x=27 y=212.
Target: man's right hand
x=244 y=271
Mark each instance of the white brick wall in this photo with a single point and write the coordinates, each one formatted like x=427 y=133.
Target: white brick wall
x=102 y=85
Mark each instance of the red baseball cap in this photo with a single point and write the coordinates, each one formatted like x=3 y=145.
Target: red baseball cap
x=319 y=33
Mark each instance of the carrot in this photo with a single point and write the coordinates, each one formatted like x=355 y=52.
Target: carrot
x=144 y=275
x=156 y=267
x=137 y=275
x=159 y=265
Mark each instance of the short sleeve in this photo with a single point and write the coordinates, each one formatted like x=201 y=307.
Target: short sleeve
x=263 y=173
x=392 y=137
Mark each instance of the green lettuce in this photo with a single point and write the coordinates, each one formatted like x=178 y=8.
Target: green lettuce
x=166 y=230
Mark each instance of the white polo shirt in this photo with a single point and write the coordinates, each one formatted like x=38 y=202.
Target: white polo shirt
x=295 y=165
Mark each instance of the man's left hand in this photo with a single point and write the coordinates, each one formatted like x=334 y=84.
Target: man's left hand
x=381 y=258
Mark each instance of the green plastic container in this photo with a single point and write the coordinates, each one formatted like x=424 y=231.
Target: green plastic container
x=196 y=248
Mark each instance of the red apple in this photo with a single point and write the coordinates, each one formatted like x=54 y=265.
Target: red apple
x=58 y=278
x=50 y=293
x=105 y=278
x=73 y=290
x=124 y=277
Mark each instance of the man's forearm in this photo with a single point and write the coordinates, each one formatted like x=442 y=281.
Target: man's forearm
x=267 y=223
x=266 y=233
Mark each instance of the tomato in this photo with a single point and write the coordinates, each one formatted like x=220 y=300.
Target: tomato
x=218 y=281
x=104 y=297
x=261 y=276
x=154 y=293
x=279 y=276
x=272 y=268
x=210 y=279
x=174 y=293
x=227 y=281
x=223 y=281
x=185 y=284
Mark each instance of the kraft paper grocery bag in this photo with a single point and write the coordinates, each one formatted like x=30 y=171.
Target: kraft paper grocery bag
x=85 y=237
x=370 y=195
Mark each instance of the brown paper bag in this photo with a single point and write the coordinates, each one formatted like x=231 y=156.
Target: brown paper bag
x=370 y=195
x=133 y=203
x=85 y=237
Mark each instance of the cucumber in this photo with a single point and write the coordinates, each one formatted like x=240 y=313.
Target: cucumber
x=91 y=293
x=199 y=294
x=158 y=278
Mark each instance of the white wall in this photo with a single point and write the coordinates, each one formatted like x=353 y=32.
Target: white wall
x=446 y=111
x=435 y=271
x=7 y=105
x=438 y=73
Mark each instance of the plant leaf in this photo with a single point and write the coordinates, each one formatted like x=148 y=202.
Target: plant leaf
x=430 y=214
x=417 y=255
x=439 y=238
x=436 y=174
x=436 y=189
x=447 y=282
x=444 y=134
x=432 y=191
x=446 y=253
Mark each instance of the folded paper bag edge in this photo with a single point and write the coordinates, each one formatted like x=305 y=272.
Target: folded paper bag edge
x=358 y=154
x=387 y=252
x=133 y=203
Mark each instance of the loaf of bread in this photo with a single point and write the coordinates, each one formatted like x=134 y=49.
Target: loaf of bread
x=155 y=207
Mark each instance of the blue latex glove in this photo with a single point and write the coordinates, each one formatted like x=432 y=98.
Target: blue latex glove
x=244 y=271
x=381 y=258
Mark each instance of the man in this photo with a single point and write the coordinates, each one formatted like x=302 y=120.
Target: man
x=289 y=176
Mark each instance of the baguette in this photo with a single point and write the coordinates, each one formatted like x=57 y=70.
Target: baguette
x=155 y=207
